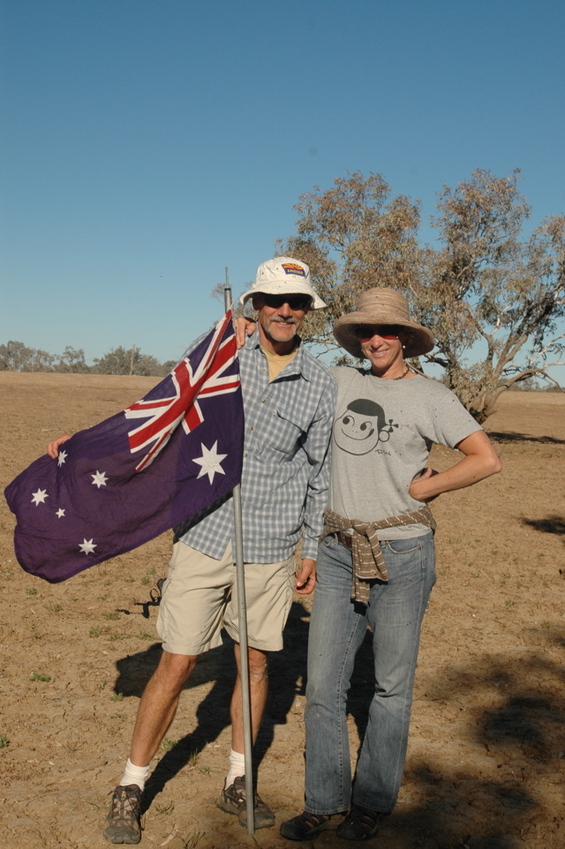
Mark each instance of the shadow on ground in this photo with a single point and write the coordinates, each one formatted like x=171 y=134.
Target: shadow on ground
x=287 y=672
x=552 y=525
x=513 y=436
x=516 y=715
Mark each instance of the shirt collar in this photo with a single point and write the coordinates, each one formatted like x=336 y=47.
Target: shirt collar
x=299 y=365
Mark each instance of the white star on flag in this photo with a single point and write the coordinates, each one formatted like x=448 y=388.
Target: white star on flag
x=99 y=479
x=39 y=497
x=87 y=546
x=62 y=457
x=210 y=461
x=60 y=513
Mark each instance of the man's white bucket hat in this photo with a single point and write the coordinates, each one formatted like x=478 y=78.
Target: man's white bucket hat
x=284 y=275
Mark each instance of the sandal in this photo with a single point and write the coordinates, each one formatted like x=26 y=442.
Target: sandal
x=305 y=826
x=359 y=824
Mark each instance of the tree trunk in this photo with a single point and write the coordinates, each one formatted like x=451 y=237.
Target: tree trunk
x=483 y=405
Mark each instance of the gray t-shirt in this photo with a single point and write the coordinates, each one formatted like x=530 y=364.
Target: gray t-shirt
x=382 y=435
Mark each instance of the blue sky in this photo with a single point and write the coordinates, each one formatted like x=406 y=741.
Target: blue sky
x=148 y=144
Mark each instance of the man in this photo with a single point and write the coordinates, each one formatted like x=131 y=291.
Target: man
x=289 y=400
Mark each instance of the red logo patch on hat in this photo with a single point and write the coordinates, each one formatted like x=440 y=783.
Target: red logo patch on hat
x=293 y=268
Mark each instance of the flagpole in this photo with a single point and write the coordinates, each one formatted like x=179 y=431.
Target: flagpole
x=243 y=645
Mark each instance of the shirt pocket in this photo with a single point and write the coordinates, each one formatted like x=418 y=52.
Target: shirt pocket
x=287 y=431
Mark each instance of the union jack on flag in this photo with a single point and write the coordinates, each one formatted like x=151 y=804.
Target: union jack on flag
x=207 y=379
x=115 y=486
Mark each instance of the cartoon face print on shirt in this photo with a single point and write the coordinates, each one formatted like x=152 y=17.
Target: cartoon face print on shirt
x=361 y=427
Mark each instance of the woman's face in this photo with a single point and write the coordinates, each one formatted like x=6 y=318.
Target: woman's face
x=382 y=346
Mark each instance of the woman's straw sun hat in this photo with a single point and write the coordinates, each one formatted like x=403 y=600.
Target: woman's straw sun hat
x=382 y=306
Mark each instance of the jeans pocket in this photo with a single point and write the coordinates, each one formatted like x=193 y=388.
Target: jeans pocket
x=413 y=555
x=403 y=546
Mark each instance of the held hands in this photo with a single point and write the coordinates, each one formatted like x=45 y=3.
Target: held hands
x=306 y=578
x=55 y=444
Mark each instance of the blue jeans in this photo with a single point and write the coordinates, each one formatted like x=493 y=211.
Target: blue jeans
x=337 y=630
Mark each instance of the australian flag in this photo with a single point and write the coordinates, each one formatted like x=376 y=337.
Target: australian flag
x=150 y=467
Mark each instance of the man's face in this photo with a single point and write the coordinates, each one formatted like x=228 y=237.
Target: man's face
x=280 y=318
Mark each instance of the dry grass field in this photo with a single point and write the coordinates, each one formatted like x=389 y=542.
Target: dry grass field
x=486 y=762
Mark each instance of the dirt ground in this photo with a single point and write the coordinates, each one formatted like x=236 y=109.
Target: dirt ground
x=486 y=760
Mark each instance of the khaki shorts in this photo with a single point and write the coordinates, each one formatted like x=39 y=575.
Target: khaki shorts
x=200 y=598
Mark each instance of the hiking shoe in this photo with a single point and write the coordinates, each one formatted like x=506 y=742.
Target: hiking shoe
x=359 y=824
x=305 y=826
x=123 y=823
x=233 y=801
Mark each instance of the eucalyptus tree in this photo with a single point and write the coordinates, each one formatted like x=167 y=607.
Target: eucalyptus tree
x=493 y=298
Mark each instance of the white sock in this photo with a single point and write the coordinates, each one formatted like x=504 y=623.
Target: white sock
x=237 y=767
x=135 y=775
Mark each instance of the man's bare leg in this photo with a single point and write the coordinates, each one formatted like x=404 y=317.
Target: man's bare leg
x=155 y=713
x=258 y=686
x=158 y=705
x=232 y=799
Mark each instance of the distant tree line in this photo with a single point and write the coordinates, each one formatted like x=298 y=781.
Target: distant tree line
x=15 y=356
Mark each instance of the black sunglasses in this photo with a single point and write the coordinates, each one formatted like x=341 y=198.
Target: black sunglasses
x=295 y=302
x=385 y=331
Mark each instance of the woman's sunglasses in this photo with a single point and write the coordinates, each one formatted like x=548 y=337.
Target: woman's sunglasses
x=365 y=332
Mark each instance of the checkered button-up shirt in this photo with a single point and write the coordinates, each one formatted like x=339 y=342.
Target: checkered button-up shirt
x=285 y=464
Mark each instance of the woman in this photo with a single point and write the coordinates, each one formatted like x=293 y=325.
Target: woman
x=375 y=563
